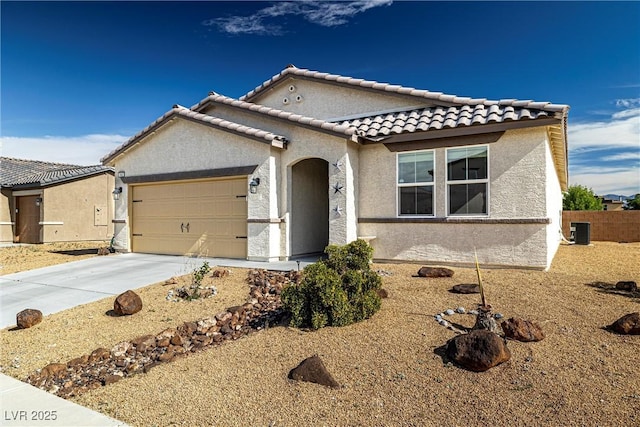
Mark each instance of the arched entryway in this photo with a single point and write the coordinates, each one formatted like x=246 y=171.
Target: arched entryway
x=309 y=207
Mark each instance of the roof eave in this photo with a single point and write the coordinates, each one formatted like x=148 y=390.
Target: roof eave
x=467 y=130
x=275 y=114
x=175 y=113
x=62 y=180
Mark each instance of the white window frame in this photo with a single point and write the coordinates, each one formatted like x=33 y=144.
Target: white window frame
x=416 y=184
x=486 y=181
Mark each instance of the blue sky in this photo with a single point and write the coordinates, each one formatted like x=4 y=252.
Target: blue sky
x=79 y=78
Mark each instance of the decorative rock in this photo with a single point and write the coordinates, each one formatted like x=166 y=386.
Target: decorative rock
x=103 y=251
x=382 y=293
x=120 y=349
x=110 y=379
x=449 y=312
x=522 y=330
x=127 y=303
x=224 y=272
x=466 y=289
x=498 y=316
x=435 y=272
x=143 y=353
x=438 y=317
x=473 y=312
x=629 y=286
x=443 y=322
x=53 y=370
x=461 y=310
x=478 y=350
x=28 y=318
x=628 y=324
x=223 y=317
x=313 y=370
x=99 y=354
x=143 y=343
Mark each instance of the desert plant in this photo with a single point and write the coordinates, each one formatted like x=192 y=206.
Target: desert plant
x=337 y=291
x=484 y=319
x=196 y=279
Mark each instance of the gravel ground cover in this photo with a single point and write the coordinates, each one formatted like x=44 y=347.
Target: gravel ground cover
x=389 y=367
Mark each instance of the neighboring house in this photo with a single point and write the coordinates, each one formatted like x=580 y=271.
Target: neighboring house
x=612 y=204
x=44 y=202
x=309 y=158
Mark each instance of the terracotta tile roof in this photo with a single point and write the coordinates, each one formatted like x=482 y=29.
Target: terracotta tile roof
x=438 y=118
x=180 y=111
x=438 y=98
x=331 y=127
x=34 y=173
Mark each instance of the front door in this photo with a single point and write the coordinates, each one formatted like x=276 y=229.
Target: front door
x=27 y=220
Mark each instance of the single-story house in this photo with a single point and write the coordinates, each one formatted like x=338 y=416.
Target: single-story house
x=43 y=202
x=308 y=159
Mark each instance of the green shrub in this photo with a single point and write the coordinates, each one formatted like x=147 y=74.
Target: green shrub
x=337 y=291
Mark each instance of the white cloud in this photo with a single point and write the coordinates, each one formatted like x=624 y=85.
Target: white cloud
x=622 y=131
x=628 y=102
x=591 y=162
x=625 y=182
x=78 y=150
x=326 y=14
x=629 y=155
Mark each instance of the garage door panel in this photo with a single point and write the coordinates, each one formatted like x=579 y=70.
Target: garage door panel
x=206 y=218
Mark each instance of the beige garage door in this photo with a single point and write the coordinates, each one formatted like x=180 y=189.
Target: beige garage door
x=206 y=218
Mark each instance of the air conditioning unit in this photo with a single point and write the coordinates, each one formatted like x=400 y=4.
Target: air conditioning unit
x=581 y=233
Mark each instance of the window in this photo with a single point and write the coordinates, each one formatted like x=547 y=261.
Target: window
x=467 y=180
x=415 y=183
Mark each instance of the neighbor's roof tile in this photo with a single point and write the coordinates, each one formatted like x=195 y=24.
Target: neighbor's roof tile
x=21 y=172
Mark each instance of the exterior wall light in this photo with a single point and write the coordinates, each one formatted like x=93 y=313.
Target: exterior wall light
x=253 y=185
x=121 y=174
x=116 y=193
x=38 y=201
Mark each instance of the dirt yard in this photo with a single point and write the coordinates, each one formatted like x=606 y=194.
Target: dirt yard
x=20 y=258
x=390 y=374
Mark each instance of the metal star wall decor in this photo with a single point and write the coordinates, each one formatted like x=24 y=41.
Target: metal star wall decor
x=337 y=188
x=338 y=165
x=337 y=210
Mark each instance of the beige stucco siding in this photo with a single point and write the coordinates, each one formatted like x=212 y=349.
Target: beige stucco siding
x=521 y=173
x=182 y=146
x=6 y=219
x=326 y=101
x=517 y=173
x=497 y=244
x=553 y=206
x=78 y=210
x=335 y=150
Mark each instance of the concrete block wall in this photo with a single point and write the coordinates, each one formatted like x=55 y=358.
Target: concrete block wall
x=608 y=226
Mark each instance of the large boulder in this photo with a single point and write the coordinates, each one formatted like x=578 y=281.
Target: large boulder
x=312 y=370
x=522 y=330
x=435 y=272
x=478 y=351
x=628 y=324
x=127 y=303
x=628 y=285
x=28 y=318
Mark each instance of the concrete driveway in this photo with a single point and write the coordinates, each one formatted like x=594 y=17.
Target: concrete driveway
x=59 y=287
